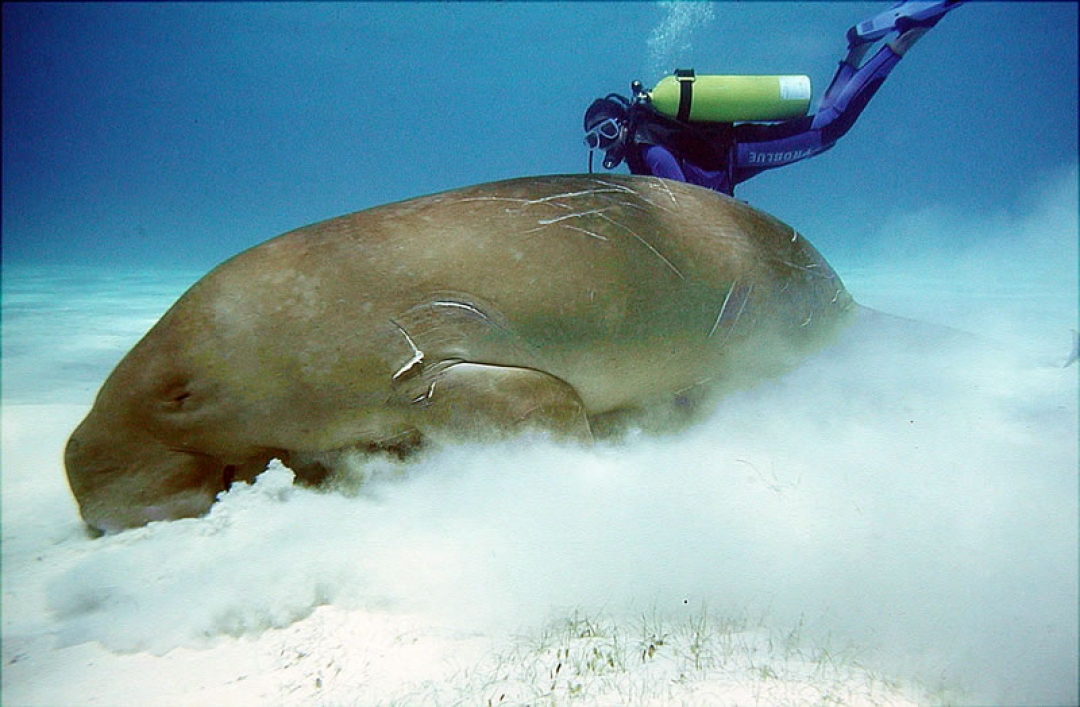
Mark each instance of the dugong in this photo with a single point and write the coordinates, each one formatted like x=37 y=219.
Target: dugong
x=555 y=303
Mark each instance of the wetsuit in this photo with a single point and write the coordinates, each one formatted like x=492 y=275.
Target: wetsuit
x=719 y=156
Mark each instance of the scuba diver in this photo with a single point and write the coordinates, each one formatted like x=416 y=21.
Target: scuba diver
x=710 y=141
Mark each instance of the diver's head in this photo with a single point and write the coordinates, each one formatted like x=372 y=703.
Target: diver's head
x=605 y=127
x=604 y=121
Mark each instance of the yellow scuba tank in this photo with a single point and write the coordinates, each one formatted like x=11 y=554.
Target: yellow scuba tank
x=731 y=99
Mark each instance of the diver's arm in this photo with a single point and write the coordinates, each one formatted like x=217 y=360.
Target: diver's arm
x=661 y=163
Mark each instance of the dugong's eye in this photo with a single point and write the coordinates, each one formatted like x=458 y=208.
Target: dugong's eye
x=176 y=396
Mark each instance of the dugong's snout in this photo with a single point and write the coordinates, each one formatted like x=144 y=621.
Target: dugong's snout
x=120 y=484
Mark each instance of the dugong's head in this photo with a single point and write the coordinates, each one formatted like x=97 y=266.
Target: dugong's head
x=137 y=458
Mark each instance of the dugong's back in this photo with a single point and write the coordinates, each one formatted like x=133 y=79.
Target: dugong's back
x=629 y=287
x=622 y=286
x=551 y=300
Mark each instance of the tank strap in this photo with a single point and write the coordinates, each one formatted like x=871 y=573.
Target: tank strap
x=686 y=92
x=707 y=145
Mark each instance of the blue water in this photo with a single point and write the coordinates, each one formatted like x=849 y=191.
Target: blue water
x=925 y=511
x=180 y=134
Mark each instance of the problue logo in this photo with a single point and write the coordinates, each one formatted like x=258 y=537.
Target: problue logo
x=779 y=157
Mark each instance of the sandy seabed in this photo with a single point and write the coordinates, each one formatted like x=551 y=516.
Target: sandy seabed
x=893 y=523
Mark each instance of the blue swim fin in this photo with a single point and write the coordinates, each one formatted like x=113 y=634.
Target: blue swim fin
x=899 y=18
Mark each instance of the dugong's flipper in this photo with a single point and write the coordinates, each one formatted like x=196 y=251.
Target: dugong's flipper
x=483 y=401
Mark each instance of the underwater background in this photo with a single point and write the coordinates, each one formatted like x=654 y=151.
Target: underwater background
x=175 y=135
x=933 y=526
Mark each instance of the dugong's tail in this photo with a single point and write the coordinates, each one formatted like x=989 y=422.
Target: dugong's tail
x=1072 y=357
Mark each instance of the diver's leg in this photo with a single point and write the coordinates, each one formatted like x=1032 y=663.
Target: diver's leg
x=850 y=92
x=854 y=85
x=844 y=72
